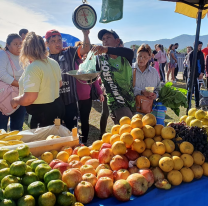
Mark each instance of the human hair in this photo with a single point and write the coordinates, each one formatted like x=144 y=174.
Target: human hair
x=161 y=47
x=23 y=31
x=156 y=45
x=78 y=43
x=121 y=42
x=190 y=47
x=33 y=48
x=145 y=48
x=10 y=38
x=170 y=48
x=55 y=31
x=176 y=44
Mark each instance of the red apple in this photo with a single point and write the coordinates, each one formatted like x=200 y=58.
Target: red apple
x=75 y=150
x=138 y=183
x=62 y=166
x=121 y=174
x=94 y=162
x=105 y=156
x=105 y=145
x=119 y=162
x=122 y=190
x=87 y=169
x=104 y=187
x=54 y=162
x=67 y=149
x=132 y=155
x=148 y=174
x=133 y=169
x=88 y=177
x=94 y=154
x=84 y=192
x=102 y=166
x=75 y=164
x=105 y=173
x=72 y=177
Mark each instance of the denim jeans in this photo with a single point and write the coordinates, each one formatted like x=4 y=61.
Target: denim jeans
x=196 y=89
x=16 y=120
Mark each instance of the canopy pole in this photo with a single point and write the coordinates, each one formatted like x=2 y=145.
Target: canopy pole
x=192 y=70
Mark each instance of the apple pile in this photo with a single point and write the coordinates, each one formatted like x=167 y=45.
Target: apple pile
x=134 y=156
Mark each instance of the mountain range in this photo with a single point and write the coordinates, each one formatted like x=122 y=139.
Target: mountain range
x=2 y=43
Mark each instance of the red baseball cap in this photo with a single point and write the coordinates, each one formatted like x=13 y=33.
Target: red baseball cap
x=52 y=32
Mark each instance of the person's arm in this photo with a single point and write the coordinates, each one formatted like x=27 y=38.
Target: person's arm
x=99 y=91
x=206 y=64
x=202 y=63
x=158 y=55
x=85 y=48
x=173 y=56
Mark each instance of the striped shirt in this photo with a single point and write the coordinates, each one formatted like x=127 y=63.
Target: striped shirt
x=65 y=59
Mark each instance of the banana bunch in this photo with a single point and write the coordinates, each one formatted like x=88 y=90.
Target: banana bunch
x=10 y=138
x=50 y=137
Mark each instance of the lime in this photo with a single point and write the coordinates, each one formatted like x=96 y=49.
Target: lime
x=11 y=156
x=41 y=170
x=65 y=188
x=36 y=188
x=36 y=163
x=6 y=202
x=4 y=172
x=29 y=178
x=3 y=164
x=47 y=199
x=25 y=159
x=66 y=199
x=8 y=180
x=3 y=151
x=28 y=169
x=23 y=150
x=52 y=175
x=26 y=200
x=29 y=162
x=14 y=191
x=18 y=168
x=55 y=186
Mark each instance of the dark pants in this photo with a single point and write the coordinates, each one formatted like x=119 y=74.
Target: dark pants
x=44 y=114
x=71 y=115
x=104 y=117
x=176 y=71
x=196 y=92
x=84 y=110
x=162 y=71
x=16 y=120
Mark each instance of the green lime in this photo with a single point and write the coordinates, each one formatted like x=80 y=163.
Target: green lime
x=11 y=156
x=29 y=157
x=6 y=202
x=36 y=188
x=4 y=172
x=3 y=151
x=54 y=174
x=23 y=150
x=30 y=161
x=14 y=191
x=41 y=170
x=8 y=180
x=18 y=168
x=65 y=188
x=29 y=178
x=66 y=199
x=47 y=199
x=3 y=164
x=28 y=169
x=26 y=200
x=55 y=186
x=36 y=163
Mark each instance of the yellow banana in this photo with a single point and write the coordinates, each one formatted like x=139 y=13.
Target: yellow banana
x=12 y=133
x=2 y=136
x=5 y=143
x=12 y=137
x=14 y=142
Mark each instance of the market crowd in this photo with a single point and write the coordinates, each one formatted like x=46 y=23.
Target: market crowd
x=38 y=70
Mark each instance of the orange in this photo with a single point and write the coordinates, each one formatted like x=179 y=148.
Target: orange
x=73 y=157
x=137 y=116
x=127 y=139
x=142 y=162
x=149 y=131
x=115 y=129
x=158 y=139
x=114 y=138
x=176 y=153
x=125 y=128
x=106 y=137
x=158 y=129
x=154 y=160
x=125 y=120
x=118 y=148
x=64 y=156
x=166 y=164
x=136 y=123
x=83 y=151
x=67 y=149
x=186 y=148
x=147 y=153
x=84 y=159
x=138 y=146
x=137 y=133
x=97 y=145
x=54 y=152
x=158 y=148
x=149 y=142
x=47 y=157
x=149 y=119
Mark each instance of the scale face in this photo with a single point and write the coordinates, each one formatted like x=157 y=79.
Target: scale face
x=84 y=17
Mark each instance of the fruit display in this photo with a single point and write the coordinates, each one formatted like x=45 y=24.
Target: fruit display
x=10 y=138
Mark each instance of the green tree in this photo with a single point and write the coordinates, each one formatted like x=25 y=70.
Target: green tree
x=183 y=51
x=136 y=46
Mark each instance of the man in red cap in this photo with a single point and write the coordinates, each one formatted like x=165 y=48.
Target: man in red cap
x=66 y=59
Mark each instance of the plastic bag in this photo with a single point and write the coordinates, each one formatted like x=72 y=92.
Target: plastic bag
x=89 y=65
x=159 y=111
x=112 y=10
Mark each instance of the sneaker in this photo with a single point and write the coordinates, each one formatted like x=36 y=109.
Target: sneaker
x=174 y=81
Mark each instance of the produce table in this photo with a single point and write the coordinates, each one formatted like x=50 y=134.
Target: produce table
x=186 y=194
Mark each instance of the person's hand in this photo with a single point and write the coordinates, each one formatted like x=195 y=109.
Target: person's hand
x=176 y=61
x=201 y=76
x=152 y=96
x=146 y=93
x=100 y=50
x=101 y=98
x=14 y=104
x=86 y=32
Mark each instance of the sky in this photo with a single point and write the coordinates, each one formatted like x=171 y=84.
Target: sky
x=142 y=19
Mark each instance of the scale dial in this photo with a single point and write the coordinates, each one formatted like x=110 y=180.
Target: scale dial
x=84 y=17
